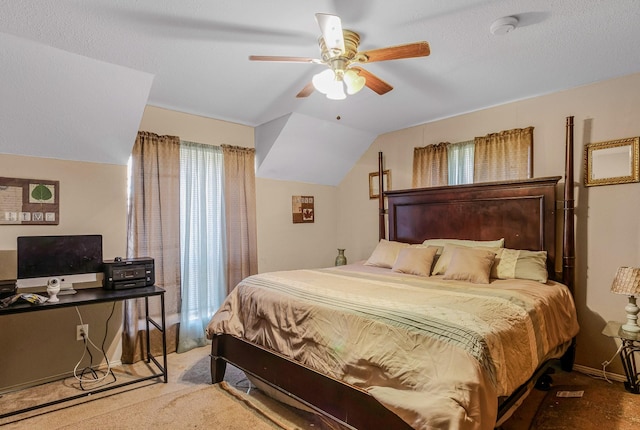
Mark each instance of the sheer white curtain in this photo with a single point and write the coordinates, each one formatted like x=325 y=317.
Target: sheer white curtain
x=202 y=240
x=460 y=162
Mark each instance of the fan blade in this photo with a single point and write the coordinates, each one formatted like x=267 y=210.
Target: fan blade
x=331 y=28
x=373 y=82
x=410 y=50
x=306 y=91
x=283 y=59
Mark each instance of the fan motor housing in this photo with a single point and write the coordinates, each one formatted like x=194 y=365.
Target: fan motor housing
x=351 y=43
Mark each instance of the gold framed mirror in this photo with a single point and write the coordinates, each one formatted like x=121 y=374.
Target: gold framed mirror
x=612 y=162
x=374 y=192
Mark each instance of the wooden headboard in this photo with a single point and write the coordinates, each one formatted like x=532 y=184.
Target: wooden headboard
x=522 y=212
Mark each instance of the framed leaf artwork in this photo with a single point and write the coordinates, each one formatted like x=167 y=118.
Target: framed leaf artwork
x=29 y=201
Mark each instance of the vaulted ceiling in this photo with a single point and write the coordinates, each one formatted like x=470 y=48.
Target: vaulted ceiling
x=75 y=75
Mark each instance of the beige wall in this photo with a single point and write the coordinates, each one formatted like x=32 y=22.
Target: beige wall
x=40 y=345
x=607 y=222
x=281 y=244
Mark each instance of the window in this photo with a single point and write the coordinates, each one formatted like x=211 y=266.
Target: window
x=202 y=239
x=502 y=156
x=460 y=162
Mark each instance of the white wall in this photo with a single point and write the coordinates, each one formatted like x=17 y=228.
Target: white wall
x=607 y=222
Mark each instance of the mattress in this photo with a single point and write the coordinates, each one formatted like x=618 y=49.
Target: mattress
x=436 y=352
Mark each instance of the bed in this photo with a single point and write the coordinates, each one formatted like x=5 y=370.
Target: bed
x=376 y=348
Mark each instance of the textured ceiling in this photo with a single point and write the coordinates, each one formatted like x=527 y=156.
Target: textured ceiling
x=197 y=52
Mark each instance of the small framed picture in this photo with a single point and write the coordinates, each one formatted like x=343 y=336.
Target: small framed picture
x=302 y=209
x=374 y=185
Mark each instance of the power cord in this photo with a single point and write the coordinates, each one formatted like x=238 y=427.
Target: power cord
x=90 y=369
x=608 y=362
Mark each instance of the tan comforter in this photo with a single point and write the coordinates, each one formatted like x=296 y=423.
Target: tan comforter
x=438 y=353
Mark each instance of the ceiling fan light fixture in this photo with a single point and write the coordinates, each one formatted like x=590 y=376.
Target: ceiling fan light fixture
x=353 y=81
x=329 y=84
x=339 y=51
x=324 y=81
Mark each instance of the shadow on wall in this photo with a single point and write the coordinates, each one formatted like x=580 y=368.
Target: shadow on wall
x=591 y=323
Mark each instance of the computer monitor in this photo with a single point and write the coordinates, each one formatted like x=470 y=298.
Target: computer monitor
x=73 y=259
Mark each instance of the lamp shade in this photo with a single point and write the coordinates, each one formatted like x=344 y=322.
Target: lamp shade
x=627 y=281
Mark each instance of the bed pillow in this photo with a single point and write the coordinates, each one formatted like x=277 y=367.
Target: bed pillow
x=415 y=261
x=385 y=253
x=470 y=264
x=520 y=264
x=464 y=242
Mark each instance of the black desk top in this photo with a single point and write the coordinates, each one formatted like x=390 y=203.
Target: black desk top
x=84 y=297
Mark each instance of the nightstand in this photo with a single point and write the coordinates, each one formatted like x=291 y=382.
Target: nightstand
x=630 y=347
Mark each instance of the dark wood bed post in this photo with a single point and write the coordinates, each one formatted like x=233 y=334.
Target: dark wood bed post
x=381 y=223
x=568 y=239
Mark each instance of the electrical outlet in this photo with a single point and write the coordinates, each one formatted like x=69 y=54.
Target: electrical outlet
x=80 y=330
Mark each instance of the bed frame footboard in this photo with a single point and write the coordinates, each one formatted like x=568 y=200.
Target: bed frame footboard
x=329 y=397
x=218 y=365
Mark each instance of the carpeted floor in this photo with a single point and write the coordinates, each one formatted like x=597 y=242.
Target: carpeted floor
x=188 y=400
x=602 y=405
x=605 y=407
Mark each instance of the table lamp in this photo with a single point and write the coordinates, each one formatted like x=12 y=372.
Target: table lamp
x=627 y=281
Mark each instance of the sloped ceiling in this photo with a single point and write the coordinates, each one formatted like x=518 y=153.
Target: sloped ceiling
x=283 y=149
x=56 y=104
x=77 y=73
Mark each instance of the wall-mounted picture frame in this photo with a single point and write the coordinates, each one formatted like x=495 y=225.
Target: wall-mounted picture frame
x=612 y=162
x=302 y=209
x=374 y=185
x=29 y=201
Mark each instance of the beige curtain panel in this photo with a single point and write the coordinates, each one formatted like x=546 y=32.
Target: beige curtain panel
x=154 y=231
x=504 y=156
x=240 y=213
x=430 y=166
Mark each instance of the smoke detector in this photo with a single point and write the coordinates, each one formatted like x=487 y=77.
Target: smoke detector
x=504 y=25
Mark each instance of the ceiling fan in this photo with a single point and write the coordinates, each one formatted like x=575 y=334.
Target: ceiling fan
x=339 y=51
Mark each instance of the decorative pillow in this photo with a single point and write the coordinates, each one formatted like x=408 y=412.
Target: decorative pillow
x=385 y=253
x=464 y=242
x=470 y=264
x=520 y=264
x=415 y=261
x=447 y=252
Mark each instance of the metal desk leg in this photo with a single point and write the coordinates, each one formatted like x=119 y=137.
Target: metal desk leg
x=162 y=329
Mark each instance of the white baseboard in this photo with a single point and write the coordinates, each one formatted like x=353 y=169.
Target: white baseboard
x=53 y=378
x=598 y=373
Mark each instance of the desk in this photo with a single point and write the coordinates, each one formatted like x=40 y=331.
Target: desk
x=630 y=347
x=100 y=295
